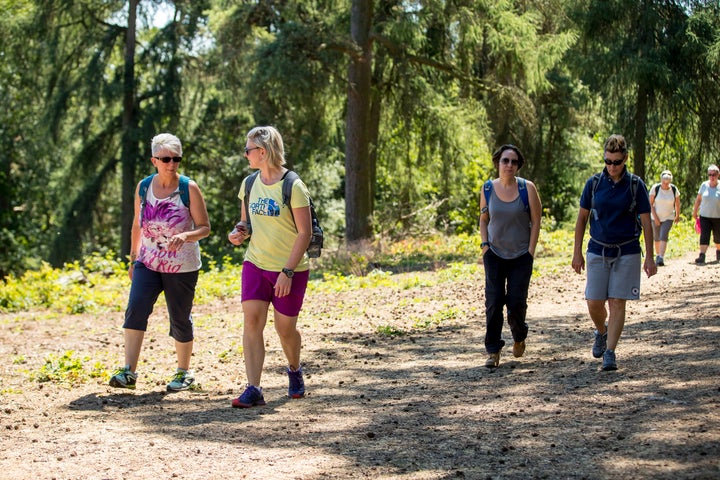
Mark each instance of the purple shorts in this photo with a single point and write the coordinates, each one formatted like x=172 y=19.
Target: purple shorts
x=258 y=284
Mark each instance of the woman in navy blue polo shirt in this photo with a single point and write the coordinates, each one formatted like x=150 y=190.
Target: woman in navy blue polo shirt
x=613 y=201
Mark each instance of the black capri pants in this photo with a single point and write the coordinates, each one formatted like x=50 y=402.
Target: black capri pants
x=179 y=291
x=707 y=225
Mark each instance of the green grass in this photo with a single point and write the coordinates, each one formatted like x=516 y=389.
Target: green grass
x=100 y=283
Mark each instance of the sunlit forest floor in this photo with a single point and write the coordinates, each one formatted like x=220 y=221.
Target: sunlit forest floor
x=396 y=389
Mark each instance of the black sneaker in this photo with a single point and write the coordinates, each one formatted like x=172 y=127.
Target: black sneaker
x=700 y=259
x=659 y=261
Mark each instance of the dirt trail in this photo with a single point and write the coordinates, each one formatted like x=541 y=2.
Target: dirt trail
x=415 y=406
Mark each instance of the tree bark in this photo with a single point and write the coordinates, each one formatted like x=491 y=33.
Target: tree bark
x=640 y=127
x=130 y=150
x=358 y=171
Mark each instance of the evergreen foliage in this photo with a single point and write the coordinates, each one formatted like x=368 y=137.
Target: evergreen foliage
x=448 y=83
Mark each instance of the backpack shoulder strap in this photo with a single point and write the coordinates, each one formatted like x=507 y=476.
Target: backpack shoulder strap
x=249 y=180
x=595 y=183
x=656 y=189
x=142 y=193
x=487 y=190
x=144 y=185
x=522 y=190
x=185 y=190
x=288 y=181
x=634 y=182
x=674 y=189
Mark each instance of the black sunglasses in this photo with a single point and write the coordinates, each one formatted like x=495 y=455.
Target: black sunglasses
x=614 y=162
x=167 y=159
x=248 y=150
x=508 y=161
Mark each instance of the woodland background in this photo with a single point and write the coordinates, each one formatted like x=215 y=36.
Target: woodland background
x=390 y=109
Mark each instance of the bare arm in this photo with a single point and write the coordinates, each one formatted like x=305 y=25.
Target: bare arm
x=535 y=216
x=484 y=221
x=303 y=223
x=652 y=207
x=198 y=212
x=578 y=261
x=696 y=207
x=135 y=234
x=650 y=267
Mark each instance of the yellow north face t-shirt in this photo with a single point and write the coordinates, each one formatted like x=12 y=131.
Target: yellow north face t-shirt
x=273 y=227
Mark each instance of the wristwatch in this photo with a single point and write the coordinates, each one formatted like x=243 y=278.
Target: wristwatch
x=288 y=273
x=484 y=244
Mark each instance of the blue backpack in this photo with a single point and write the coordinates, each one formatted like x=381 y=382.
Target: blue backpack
x=522 y=190
x=145 y=184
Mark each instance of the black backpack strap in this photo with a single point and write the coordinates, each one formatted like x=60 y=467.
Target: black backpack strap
x=593 y=188
x=249 y=180
x=288 y=181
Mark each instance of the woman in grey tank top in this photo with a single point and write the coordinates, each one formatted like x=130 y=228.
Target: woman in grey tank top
x=510 y=227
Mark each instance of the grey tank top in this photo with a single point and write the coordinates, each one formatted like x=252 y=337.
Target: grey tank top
x=509 y=227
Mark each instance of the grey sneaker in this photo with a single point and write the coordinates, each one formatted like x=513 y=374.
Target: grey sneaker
x=181 y=381
x=600 y=344
x=123 y=378
x=659 y=261
x=493 y=360
x=609 y=360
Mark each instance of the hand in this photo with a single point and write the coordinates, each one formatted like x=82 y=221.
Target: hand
x=282 y=285
x=176 y=242
x=237 y=237
x=650 y=267
x=578 y=262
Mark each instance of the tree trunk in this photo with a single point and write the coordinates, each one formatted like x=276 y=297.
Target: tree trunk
x=358 y=171
x=130 y=149
x=640 y=127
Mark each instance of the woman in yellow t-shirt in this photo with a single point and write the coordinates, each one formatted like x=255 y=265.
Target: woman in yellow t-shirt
x=276 y=266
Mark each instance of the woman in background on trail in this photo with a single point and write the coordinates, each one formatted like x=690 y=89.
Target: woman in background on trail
x=164 y=257
x=510 y=227
x=707 y=209
x=665 y=209
x=276 y=267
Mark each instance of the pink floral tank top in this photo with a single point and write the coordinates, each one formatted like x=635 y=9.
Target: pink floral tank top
x=162 y=219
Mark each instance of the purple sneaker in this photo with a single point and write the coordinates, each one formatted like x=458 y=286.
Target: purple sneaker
x=251 y=397
x=297 y=384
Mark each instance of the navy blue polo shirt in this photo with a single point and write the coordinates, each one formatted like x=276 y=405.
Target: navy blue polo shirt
x=614 y=224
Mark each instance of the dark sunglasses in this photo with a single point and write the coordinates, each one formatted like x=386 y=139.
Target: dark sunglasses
x=167 y=159
x=614 y=162
x=712 y=174
x=248 y=150
x=508 y=161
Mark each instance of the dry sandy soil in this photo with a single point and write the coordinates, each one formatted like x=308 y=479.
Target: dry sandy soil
x=414 y=406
